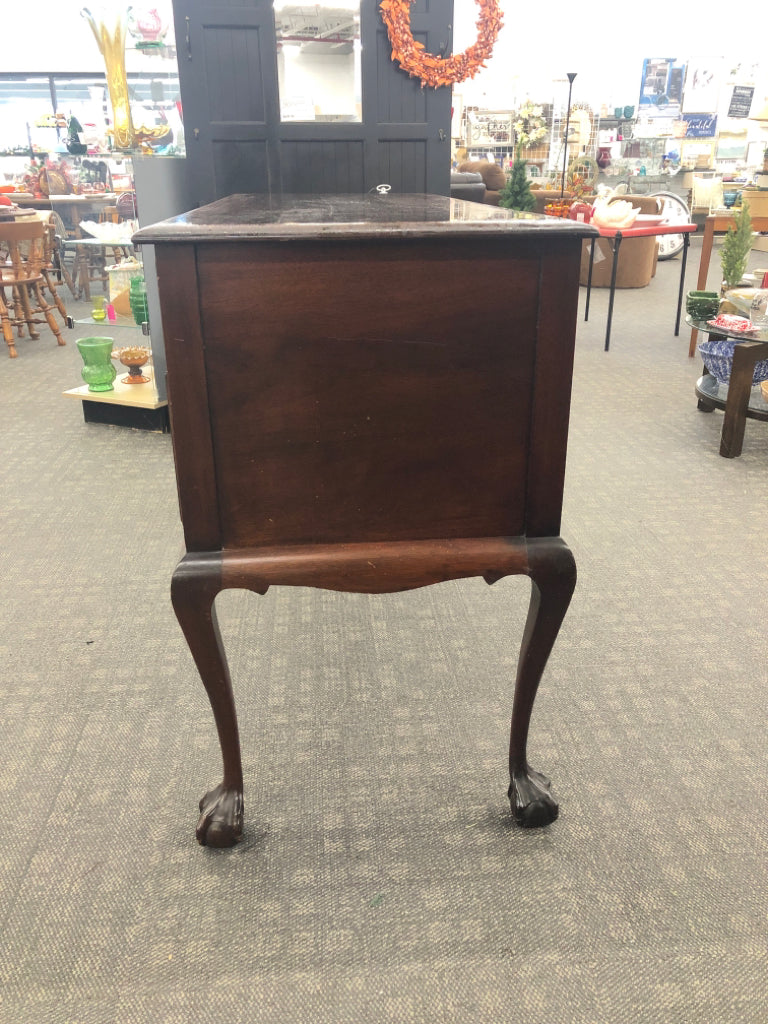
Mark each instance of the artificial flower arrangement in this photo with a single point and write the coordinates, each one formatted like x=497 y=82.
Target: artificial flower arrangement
x=576 y=185
x=530 y=126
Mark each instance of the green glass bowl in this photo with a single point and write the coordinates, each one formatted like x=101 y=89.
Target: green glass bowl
x=702 y=305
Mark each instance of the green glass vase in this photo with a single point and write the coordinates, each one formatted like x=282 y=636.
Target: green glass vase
x=98 y=371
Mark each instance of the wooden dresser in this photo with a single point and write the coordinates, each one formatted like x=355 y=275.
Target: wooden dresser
x=368 y=393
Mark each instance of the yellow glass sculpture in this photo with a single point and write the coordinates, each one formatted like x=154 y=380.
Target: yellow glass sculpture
x=109 y=30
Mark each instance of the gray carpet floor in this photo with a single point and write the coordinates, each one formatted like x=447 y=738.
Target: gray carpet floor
x=380 y=878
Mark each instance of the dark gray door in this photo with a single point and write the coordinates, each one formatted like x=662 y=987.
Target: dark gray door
x=237 y=143
x=409 y=127
x=228 y=78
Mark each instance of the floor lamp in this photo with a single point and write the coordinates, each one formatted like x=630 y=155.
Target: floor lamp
x=571 y=76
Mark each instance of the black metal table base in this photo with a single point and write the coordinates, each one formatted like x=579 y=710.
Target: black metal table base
x=616 y=240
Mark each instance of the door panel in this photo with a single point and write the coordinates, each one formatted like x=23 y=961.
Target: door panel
x=228 y=77
x=239 y=165
x=236 y=141
x=327 y=165
x=234 y=74
x=399 y=98
x=397 y=108
x=403 y=164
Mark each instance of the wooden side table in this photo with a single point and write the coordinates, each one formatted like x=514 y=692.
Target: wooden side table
x=368 y=394
x=715 y=224
x=740 y=400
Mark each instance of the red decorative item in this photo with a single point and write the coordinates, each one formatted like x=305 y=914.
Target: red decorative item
x=147 y=27
x=150 y=25
x=580 y=211
x=732 y=323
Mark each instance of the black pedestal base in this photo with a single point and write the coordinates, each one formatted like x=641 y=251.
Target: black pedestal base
x=127 y=416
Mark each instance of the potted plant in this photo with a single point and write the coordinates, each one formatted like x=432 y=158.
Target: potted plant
x=736 y=247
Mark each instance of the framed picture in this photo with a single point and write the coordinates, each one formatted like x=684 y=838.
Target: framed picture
x=702 y=84
x=741 y=100
x=732 y=147
x=490 y=128
x=700 y=126
x=654 y=82
x=661 y=87
x=755 y=152
x=697 y=152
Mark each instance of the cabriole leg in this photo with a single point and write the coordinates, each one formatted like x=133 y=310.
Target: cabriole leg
x=194 y=588
x=553 y=577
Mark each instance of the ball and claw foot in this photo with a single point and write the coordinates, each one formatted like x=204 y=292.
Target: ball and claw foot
x=221 y=818
x=531 y=798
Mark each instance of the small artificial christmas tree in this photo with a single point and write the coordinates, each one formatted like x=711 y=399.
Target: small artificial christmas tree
x=516 y=194
x=736 y=247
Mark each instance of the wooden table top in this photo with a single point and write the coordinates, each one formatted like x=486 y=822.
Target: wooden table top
x=722 y=221
x=369 y=216
x=45 y=202
x=645 y=230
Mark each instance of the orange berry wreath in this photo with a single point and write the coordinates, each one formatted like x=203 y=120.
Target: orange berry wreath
x=437 y=71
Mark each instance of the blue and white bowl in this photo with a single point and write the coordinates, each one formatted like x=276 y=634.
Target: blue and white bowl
x=718 y=359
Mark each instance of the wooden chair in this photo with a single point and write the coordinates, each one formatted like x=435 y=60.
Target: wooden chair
x=88 y=257
x=109 y=215
x=51 y=266
x=59 y=252
x=90 y=265
x=22 y=303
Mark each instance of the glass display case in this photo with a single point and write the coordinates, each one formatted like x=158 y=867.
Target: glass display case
x=48 y=115
x=63 y=149
x=648 y=155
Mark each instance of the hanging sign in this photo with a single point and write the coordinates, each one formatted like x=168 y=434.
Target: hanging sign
x=741 y=100
x=700 y=126
x=490 y=128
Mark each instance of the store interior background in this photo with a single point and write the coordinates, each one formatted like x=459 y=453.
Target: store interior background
x=605 y=49
x=530 y=60
x=380 y=879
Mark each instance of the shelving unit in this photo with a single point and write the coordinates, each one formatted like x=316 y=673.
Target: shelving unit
x=648 y=150
x=127 y=405
x=121 y=321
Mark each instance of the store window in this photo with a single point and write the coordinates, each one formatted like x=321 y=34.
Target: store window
x=36 y=110
x=318 y=61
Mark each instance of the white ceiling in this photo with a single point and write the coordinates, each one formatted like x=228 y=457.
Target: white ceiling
x=324 y=29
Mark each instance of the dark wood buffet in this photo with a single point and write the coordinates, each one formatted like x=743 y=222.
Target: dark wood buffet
x=368 y=393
